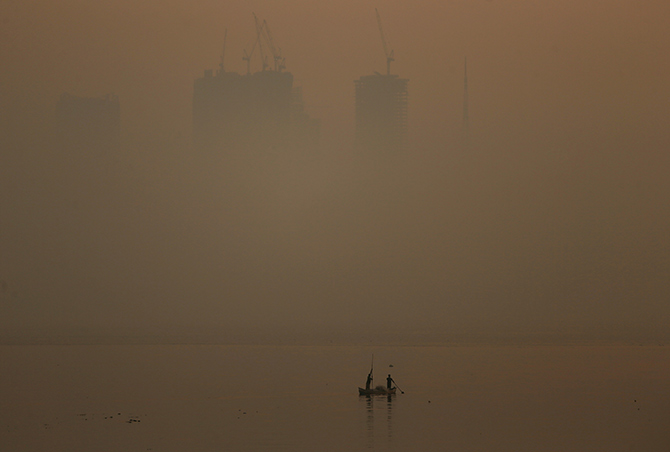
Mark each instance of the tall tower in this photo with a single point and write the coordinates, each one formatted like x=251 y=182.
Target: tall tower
x=381 y=107
x=260 y=111
x=466 y=113
x=381 y=112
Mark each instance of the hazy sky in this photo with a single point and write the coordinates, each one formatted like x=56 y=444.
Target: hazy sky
x=555 y=218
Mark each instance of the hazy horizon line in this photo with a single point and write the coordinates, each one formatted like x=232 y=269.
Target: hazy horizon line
x=341 y=337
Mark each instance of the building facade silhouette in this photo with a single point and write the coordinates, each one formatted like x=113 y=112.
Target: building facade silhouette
x=381 y=113
x=259 y=111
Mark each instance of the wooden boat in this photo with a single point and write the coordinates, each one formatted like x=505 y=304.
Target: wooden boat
x=379 y=390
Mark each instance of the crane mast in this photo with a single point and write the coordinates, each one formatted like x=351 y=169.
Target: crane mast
x=262 y=34
x=389 y=56
x=259 y=34
x=247 y=55
x=276 y=53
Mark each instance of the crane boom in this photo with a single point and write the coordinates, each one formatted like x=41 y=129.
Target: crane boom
x=276 y=54
x=389 y=56
x=263 y=34
x=259 y=33
x=247 y=56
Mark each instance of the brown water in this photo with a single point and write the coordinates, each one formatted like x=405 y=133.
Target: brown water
x=293 y=398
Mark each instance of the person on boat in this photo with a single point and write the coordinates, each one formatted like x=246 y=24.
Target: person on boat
x=389 y=382
x=368 y=382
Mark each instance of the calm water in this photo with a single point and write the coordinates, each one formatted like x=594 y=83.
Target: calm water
x=251 y=398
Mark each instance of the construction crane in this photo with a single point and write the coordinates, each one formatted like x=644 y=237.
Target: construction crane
x=263 y=34
x=247 y=58
x=389 y=56
x=247 y=55
x=259 y=33
x=276 y=54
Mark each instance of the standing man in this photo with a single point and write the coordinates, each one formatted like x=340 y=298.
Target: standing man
x=389 y=382
x=368 y=381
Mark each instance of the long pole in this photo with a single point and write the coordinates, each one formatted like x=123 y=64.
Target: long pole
x=372 y=365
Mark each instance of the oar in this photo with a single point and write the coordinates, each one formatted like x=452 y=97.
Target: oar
x=401 y=391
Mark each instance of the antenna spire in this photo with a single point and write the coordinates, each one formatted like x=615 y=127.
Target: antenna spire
x=466 y=113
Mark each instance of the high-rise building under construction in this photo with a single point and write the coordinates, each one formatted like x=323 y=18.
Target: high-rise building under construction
x=381 y=108
x=252 y=111
x=381 y=112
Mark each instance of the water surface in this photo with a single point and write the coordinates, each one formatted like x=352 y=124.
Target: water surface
x=293 y=398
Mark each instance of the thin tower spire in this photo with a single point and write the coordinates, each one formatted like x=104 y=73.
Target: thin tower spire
x=466 y=114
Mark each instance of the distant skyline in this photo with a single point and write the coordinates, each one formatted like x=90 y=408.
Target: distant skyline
x=530 y=62
x=554 y=219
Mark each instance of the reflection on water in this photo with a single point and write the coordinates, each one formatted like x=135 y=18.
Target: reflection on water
x=382 y=402
x=370 y=421
x=251 y=398
x=389 y=417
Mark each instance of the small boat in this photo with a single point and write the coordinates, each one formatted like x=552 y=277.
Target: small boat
x=379 y=390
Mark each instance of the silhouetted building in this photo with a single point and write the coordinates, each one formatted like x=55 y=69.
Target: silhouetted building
x=88 y=122
x=257 y=111
x=381 y=112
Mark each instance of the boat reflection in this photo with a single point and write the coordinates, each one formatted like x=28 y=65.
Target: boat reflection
x=382 y=403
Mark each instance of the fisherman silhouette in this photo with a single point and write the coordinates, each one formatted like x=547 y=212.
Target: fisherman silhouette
x=368 y=381
x=389 y=382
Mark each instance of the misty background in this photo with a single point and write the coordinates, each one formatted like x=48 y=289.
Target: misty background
x=552 y=219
